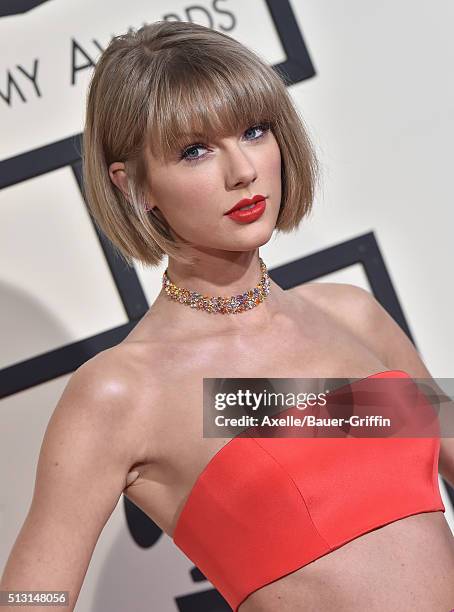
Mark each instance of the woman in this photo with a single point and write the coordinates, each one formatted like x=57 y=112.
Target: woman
x=182 y=124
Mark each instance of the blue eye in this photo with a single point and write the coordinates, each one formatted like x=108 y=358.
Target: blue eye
x=264 y=127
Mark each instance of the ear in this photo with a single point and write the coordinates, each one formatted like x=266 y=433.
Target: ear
x=118 y=176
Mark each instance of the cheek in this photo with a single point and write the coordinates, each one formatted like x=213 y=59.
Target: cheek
x=194 y=195
x=184 y=201
x=177 y=192
x=274 y=163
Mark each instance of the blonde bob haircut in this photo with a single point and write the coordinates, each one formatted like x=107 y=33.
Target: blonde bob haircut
x=152 y=85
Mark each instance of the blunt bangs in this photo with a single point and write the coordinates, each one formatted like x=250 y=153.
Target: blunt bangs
x=203 y=98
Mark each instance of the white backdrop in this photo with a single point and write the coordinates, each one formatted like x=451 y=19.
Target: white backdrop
x=380 y=112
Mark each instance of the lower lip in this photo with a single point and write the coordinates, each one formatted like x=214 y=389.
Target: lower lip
x=251 y=214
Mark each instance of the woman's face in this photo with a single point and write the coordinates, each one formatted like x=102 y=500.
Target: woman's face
x=201 y=182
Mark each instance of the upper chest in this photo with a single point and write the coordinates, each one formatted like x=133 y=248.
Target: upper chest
x=315 y=345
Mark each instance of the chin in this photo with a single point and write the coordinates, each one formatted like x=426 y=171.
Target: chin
x=254 y=242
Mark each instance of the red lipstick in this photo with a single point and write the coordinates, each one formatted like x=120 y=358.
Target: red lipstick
x=256 y=207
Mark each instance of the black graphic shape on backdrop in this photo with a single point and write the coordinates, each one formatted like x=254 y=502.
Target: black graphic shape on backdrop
x=148 y=533
x=17 y=7
x=203 y=601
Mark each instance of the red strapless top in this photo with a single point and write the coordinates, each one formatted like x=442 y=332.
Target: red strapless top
x=265 y=507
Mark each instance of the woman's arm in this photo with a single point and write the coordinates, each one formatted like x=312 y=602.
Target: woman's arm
x=87 y=450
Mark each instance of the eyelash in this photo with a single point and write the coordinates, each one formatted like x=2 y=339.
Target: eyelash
x=265 y=127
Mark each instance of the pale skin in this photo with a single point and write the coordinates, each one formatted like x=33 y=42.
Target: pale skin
x=121 y=425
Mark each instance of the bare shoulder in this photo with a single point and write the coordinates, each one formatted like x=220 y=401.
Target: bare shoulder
x=113 y=371
x=110 y=390
x=344 y=301
x=360 y=310
x=362 y=313
x=356 y=310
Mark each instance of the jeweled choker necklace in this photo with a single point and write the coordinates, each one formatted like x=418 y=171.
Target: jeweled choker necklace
x=223 y=305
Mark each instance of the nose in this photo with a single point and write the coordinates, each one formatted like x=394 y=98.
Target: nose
x=240 y=168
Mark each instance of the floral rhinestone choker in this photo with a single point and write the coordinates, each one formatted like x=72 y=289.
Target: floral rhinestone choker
x=223 y=305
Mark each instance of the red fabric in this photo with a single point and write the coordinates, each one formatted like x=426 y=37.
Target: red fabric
x=265 y=507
